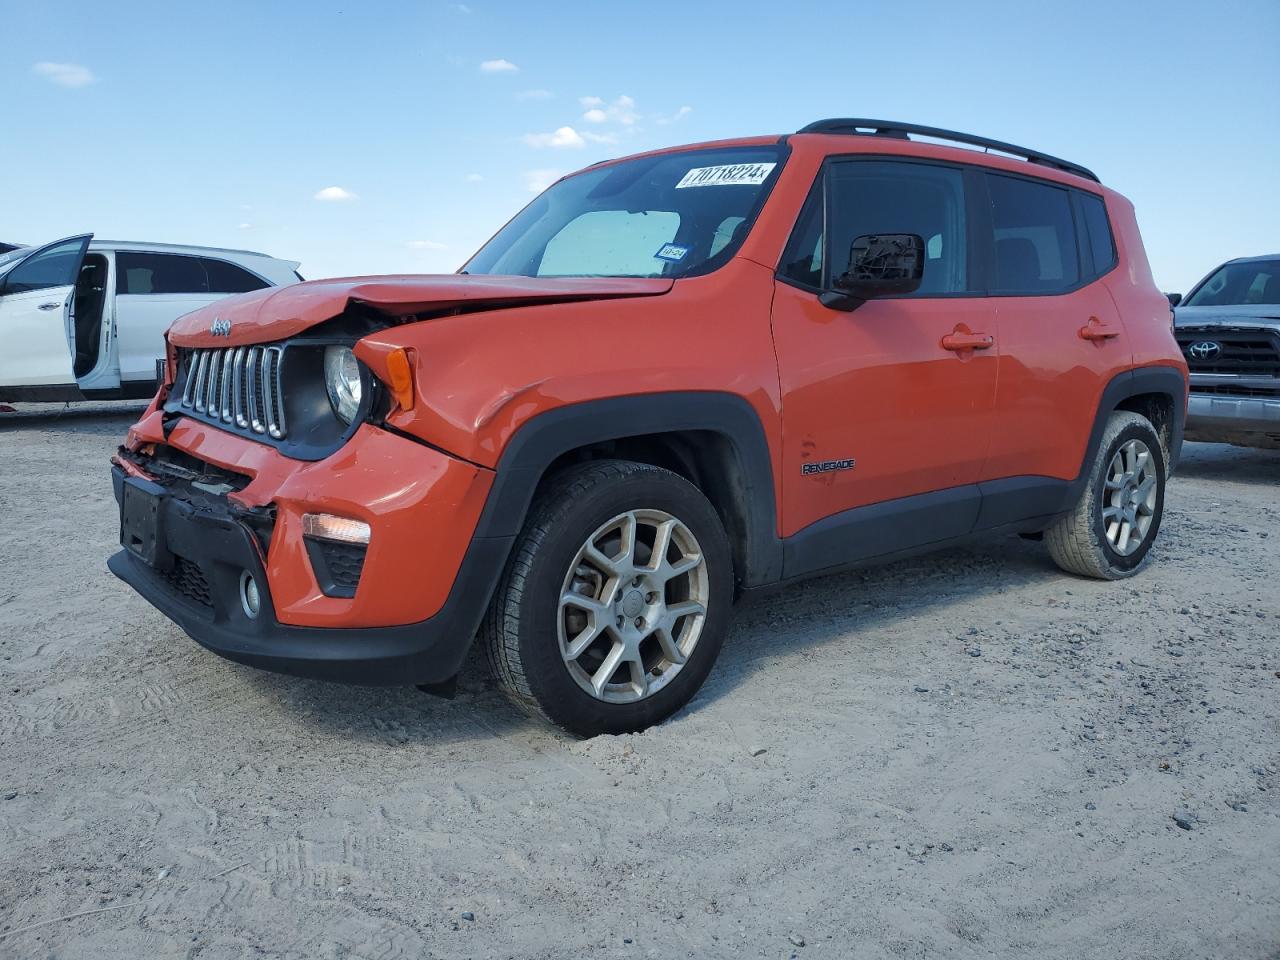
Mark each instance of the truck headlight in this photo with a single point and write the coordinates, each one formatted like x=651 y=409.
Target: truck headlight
x=342 y=379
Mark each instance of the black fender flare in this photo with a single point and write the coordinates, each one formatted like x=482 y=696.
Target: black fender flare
x=547 y=436
x=1166 y=380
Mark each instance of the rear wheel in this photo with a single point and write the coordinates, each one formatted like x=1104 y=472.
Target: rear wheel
x=615 y=604
x=1110 y=531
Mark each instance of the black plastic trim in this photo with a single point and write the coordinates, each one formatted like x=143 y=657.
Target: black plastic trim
x=547 y=436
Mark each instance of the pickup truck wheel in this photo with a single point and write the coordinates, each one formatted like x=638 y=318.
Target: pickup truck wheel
x=1109 y=533
x=616 y=600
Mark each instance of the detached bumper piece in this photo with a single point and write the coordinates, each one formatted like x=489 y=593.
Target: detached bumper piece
x=193 y=561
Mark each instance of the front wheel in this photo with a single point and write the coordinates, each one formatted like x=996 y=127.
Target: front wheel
x=616 y=600
x=1109 y=532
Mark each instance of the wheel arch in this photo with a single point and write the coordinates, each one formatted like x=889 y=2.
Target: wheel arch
x=715 y=440
x=1158 y=393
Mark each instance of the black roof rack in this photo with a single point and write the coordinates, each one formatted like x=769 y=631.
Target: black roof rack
x=900 y=131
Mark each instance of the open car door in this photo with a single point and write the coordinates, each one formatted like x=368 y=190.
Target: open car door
x=37 y=300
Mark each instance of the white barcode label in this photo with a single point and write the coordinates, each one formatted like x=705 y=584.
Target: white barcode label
x=728 y=175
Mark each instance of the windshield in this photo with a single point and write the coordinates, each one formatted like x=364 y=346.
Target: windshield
x=672 y=215
x=1250 y=281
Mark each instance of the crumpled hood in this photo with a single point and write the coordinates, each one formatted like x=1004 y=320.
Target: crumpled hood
x=1235 y=315
x=279 y=312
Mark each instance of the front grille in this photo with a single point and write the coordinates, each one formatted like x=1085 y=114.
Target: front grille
x=237 y=386
x=189 y=580
x=1243 y=351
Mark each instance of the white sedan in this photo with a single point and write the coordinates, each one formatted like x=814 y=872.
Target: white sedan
x=85 y=319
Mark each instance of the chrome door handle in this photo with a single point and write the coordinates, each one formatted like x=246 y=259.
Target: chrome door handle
x=49 y=306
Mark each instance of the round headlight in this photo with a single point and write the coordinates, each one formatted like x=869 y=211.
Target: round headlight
x=342 y=379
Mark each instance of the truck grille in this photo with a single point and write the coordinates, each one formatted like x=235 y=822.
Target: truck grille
x=1242 y=351
x=239 y=386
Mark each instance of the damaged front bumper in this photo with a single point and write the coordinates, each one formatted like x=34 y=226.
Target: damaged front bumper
x=192 y=552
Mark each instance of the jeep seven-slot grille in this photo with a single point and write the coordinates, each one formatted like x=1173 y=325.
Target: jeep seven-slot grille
x=1254 y=353
x=239 y=386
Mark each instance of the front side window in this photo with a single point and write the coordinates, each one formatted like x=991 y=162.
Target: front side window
x=56 y=266
x=1035 y=239
x=1253 y=281
x=671 y=215
x=865 y=197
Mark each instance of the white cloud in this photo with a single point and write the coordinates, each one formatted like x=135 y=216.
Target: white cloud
x=427 y=245
x=245 y=226
x=335 y=194
x=621 y=110
x=599 y=137
x=462 y=8
x=474 y=178
x=498 y=66
x=65 y=74
x=678 y=115
x=538 y=94
x=538 y=180
x=560 y=138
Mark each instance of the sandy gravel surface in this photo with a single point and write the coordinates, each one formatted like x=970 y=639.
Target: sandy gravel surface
x=968 y=755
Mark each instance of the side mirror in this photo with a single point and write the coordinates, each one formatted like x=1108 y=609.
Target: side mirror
x=880 y=265
x=1174 y=299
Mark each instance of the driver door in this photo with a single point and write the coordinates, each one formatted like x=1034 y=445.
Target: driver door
x=37 y=298
x=888 y=407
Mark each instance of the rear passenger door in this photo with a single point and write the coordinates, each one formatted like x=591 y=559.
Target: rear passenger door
x=154 y=289
x=1059 y=330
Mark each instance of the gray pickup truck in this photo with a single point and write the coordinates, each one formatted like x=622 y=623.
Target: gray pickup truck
x=1228 y=327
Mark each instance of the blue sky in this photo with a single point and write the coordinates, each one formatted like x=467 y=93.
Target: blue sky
x=226 y=123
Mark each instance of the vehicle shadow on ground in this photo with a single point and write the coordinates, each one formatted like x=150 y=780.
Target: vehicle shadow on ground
x=399 y=715
x=810 y=614
x=782 y=624
x=1228 y=464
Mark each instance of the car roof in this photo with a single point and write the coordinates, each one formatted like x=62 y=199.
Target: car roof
x=1257 y=259
x=171 y=247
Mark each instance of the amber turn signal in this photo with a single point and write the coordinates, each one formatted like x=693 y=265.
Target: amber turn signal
x=400 y=377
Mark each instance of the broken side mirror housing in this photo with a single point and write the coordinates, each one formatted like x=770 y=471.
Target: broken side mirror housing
x=880 y=265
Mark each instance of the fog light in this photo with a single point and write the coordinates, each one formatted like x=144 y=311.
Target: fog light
x=325 y=526
x=250 y=597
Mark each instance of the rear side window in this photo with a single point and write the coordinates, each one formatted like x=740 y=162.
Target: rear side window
x=1034 y=233
x=1097 y=233
x=228 y=278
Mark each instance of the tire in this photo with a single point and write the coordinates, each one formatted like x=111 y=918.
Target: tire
x=572 y=598
x=1113 y=497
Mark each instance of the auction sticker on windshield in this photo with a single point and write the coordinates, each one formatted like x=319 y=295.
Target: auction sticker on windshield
x=728 y=175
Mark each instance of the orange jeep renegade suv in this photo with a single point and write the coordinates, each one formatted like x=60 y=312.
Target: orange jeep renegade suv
x=670 y=379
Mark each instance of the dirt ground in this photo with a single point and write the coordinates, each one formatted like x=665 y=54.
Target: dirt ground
x=964 y=755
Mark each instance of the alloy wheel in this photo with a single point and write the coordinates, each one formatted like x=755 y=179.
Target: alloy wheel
x=632 y=606
x=1129 y=497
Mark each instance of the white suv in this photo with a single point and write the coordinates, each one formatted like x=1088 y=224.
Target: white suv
x=85 y=319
